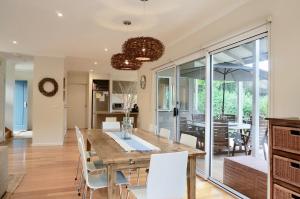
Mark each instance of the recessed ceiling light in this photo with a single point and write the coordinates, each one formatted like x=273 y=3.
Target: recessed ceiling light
x=59 y=14
x=95 y=63
x=105 y=49
x=14 y=42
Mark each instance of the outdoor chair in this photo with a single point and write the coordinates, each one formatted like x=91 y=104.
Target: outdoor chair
x=186 y=127
x=263 y=128
x=221 y=139
x=198 y=117
x=242 y=139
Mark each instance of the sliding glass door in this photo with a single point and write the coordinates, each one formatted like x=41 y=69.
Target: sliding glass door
x=239 y=106
x=221 y=100
x=191 y=97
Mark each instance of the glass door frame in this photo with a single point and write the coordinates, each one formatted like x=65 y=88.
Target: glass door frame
x=238 y=42
x=208 y=51
x=175 y=89
x=194 y=57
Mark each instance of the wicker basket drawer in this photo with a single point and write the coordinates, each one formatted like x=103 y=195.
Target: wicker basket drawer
x=286 y=139
x=287 y=170
x=283 y=193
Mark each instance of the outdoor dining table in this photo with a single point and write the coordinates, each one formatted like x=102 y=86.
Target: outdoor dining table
x=231 y=125
x=116 y=158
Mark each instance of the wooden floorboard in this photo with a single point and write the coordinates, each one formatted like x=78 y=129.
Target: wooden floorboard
x=50 y=171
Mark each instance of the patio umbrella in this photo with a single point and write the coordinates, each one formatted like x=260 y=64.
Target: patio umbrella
x=234 y=72
x=225 y=72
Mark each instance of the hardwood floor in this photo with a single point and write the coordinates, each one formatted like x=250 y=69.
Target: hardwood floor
x=50 y=171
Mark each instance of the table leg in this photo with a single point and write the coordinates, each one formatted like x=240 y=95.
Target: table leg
x=191 y=178
x=111 y=177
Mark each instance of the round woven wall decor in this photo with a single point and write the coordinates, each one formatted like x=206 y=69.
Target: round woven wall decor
x=48 y=93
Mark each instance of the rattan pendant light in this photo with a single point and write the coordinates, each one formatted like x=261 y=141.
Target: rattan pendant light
x=121 y=61
x=145 y=49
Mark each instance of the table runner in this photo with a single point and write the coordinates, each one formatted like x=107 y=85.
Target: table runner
x=133 y=144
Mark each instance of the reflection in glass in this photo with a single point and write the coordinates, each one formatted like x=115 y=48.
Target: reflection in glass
x=165 y=101
x=192 y=95
x=164 y=93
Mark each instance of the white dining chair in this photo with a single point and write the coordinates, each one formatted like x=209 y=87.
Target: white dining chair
x=188 y=140
x=111 y=126
x=89 y=154
x=92 y=166
x=165 y=181
x=97 y=181
x=152 y=128
x=164 y=133
x=110 y=119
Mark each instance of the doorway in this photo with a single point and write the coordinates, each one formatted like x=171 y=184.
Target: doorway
x=77 y=105
x=20 y=106
x=239 y=105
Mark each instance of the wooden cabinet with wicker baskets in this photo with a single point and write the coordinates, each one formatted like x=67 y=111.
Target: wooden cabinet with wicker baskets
x=284 y=151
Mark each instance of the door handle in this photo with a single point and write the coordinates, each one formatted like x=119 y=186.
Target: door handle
x=175 y=112
x=25 y=104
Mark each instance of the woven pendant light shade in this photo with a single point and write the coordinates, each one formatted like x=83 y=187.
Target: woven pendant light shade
x=121 y=61
x=145 y=49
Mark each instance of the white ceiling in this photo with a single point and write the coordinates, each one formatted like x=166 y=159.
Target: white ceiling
x=89 y=26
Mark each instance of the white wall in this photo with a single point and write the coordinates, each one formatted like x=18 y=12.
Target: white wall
x=9 y=94
x=285 y=40
x=2 y=99
x=28 y=76
x=146 y=101
x=48 y=112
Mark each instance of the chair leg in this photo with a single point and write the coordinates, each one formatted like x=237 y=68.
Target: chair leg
x=127 y=195
x=78 y=163
x=91 y=193
x=79 y=186
x=84 y=191
x=120 y=191
x=129 y=176
x=138 y=176
x=233 y=150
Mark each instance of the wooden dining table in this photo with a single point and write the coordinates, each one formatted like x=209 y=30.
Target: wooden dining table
x=117 y=159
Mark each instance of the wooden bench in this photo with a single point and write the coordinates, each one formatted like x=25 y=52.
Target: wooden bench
x=247 y=175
